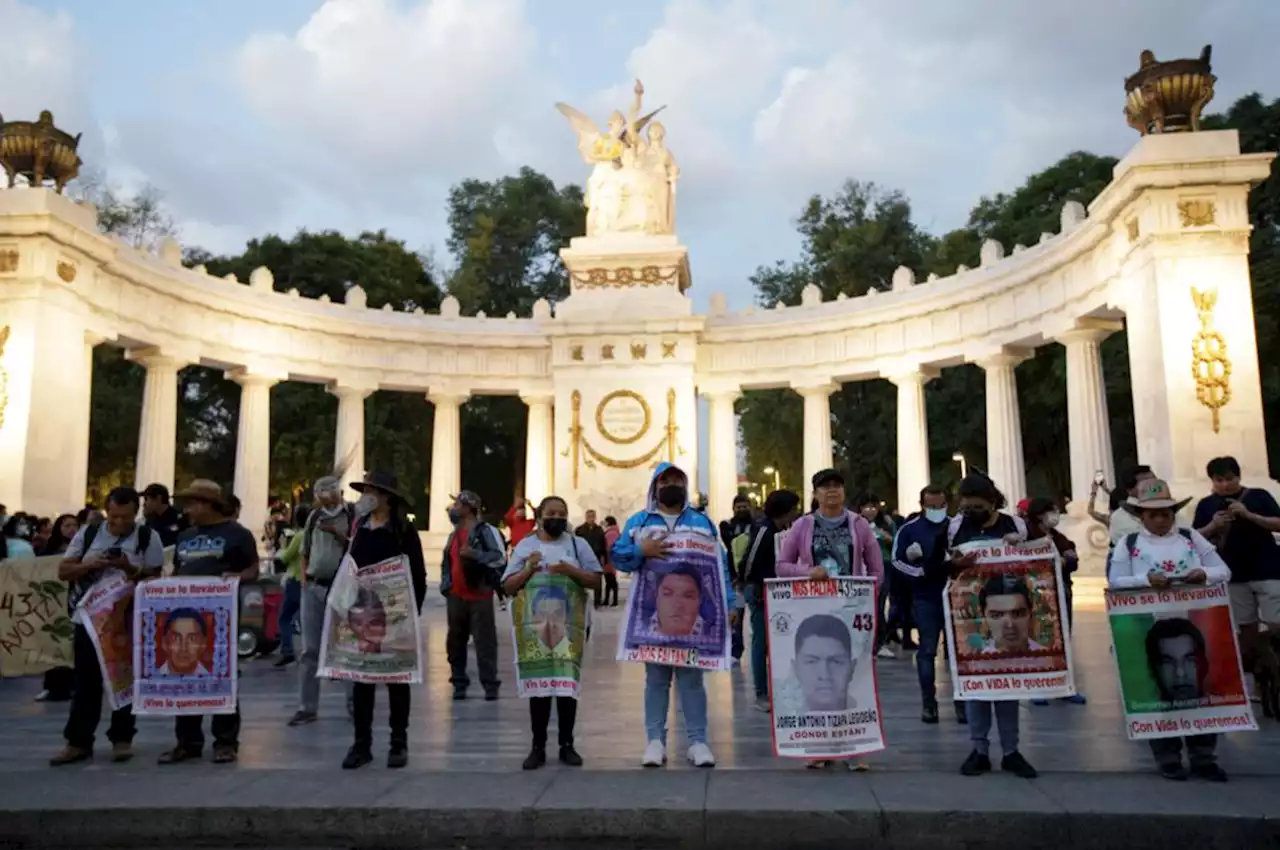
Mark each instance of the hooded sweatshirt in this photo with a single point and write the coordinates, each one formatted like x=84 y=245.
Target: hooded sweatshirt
x=626 y=554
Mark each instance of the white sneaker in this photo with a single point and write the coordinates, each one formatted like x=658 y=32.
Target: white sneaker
x=886 y=652
x=700 y=755
x=655 y=754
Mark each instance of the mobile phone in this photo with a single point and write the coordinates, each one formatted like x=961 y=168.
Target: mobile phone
x=1099 y=478
x=114 y=552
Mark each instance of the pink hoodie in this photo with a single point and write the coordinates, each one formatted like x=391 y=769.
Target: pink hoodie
x=795 y=559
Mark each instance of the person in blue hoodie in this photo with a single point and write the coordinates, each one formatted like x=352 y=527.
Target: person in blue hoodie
x=920 y=556
x=668 y=510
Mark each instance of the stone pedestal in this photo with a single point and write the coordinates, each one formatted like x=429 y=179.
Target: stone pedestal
x=624 y=276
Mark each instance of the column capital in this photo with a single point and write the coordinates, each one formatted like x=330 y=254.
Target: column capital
x=344 y=391
x=715 y=393
x=152 y=357
x=536 y=397
x=1089 y=330
x=919 y=374
x=448 y=396
x=822 y=388
x=245 y=378
x=1006 y=357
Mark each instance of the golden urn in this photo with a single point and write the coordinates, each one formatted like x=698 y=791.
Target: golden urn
x=38 y=151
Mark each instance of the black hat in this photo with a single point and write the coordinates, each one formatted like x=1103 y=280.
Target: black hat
x=827 y=476
x=378 y=479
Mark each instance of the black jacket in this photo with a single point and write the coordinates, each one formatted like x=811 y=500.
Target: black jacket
x=168 y=525
x=760 y=561
x=398 y=537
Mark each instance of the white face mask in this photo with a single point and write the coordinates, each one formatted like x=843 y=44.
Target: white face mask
x=935 y=514
x=1051 y=519
x=366 y=503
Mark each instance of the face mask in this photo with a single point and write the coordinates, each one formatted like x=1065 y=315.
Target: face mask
x=1051 y=520
x=21 y=530
x=366 y=503
x=742 y=515
x=672 y=496
x=935 y=514
x=978 y=515
x=555 y=526
x=455 y=515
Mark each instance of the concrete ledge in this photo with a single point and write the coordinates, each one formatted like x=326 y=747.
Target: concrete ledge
x=203 y=807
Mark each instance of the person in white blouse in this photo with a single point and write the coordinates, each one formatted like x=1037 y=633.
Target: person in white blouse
x=1161 y=554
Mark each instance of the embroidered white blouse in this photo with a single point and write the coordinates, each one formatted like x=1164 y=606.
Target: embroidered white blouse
x=1175 y=554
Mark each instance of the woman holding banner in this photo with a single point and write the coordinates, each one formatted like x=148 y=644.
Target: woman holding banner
x=383 y=532
x=547 y=579
x=981 y=518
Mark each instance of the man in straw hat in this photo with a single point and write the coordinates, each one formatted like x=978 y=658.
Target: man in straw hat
x=214 y=545
x=1159 y=555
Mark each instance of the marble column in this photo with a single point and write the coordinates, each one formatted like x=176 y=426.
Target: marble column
x=84 y=408
x=1005 y=462
x=158 y=431
x=722 y=444
x=914 y=472
x=537 y=456
x=1088 y=422
x=253 y=449
x=817 y=428
x=446 y=456
x=348 y=443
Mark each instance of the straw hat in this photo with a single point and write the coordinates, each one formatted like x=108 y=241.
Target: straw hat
x=1155 y=495
x=206 y=491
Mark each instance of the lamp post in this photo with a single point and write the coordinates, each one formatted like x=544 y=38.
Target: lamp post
x=958 y=457
x=777 y=476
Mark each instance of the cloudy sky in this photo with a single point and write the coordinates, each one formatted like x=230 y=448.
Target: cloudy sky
x=255 y=116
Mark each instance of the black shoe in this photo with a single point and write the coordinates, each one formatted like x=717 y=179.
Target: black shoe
x=1017 y=765
x=930 y=713
x=459 y=694
x=1176 y=772
x=975 y=765
x=569 y=756
x=491 y=696
x=909 y=645
x=358 y=756
x=398 y=756
x=962 y=717
x=1210 y=772
x=283 y=661
x=302 y=718
x=537 y=758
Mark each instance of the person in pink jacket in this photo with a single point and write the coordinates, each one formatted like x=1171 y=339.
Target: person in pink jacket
x=831 y=541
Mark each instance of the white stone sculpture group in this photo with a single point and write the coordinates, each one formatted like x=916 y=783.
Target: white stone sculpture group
x=632 y=187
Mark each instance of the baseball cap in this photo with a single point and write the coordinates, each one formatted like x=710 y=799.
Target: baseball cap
x=827 y=476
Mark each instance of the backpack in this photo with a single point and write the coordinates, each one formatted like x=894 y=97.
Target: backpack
x=144 y=538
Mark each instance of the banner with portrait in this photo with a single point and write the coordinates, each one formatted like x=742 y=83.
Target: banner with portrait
x=374 y=637
x=35 y=627
x=106 y=612
x=677 y=610
x=1178 y=662
x=1007 y=631
x=822 y=671
x=549 y=633
x=184 y=646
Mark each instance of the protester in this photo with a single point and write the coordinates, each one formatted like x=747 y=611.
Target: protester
x=892 y=595
x=474 y=560
x=667 y=510
x=557 y=551
x=982 y=517
x=1241 y=522
x=517 y=521
x=1157 y=556
x=739 y=525
x=611 y=533
x=1042 y=517
x=759 y=562
x=118 y=544
x=324 y=542
x=213 y=545
x=161 y=516
x=17 y=532
x=382 y=532
x=61 y=533
x=920 y=559
x=290 y=560
x=593 y=534
x=58 y=681
x=832 y=540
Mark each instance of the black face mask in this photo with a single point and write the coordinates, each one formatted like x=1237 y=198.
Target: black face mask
x=742 y=516
x=555 y=526
x=672 y=496
x=978 y=515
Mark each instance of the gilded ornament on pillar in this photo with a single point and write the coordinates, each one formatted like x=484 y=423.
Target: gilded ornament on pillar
x=575 y=352
x=626 y=276
x=1197 y=212
x=4 y=375
x=1210 y=365
x=1168 y=97
x=606 y=352
x=66 y=271
x=8 y=262
x=579 y=445
x=668 y=350
x=638 y=350
x=1132 y=227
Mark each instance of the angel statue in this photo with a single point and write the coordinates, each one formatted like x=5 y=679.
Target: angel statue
x=630 y=186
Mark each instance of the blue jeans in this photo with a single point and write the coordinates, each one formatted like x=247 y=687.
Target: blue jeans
x=979 y=713
x=930 y=621
x=289 y=609
x=759 y=640
x=657 y=701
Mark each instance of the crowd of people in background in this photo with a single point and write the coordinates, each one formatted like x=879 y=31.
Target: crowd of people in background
x=1231 y=537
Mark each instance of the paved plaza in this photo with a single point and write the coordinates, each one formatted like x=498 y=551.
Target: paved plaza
x=464 y=774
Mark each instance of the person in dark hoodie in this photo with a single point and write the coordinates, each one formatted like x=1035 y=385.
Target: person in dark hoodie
x=383 y=531
x=759 y=562
x=668 y=510
x=740 y=523
x=920 y=557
